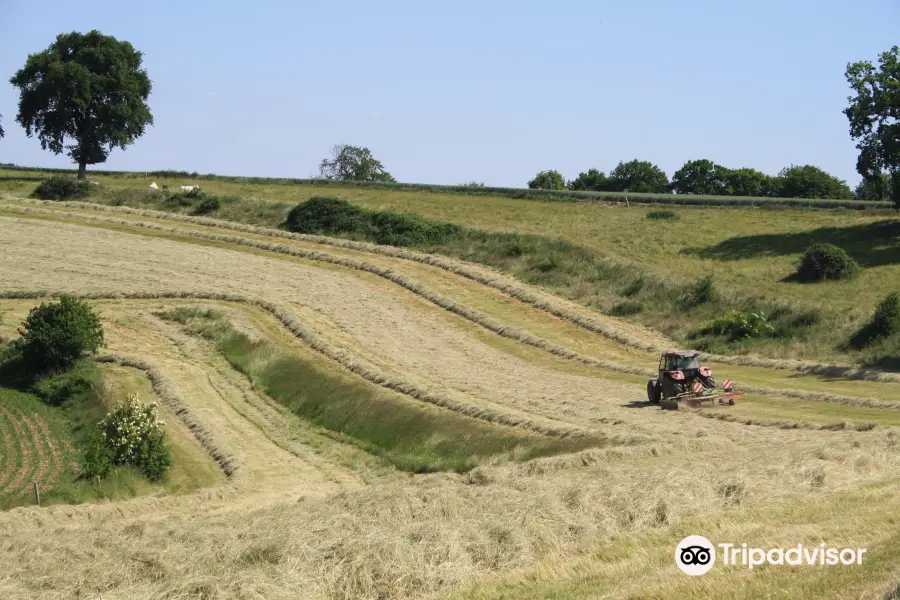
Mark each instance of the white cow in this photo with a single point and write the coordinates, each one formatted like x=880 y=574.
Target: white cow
x=153 y=186
x=188 y=188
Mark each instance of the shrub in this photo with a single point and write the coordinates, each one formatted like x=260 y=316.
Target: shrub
x=57 y=334
x=132 y=435
x=624 y=309
x=405 y=229
x=885 y=322
x=517 y=245
x=698 y=293
x=325 y=214
x=98 y=457
x=633 y=288
x=60 y=187
x=826 y=261
x=789 y=324
x=207 y=205
x=58 y=388
x=663 y=214
x=737 y=325
x=886 y=319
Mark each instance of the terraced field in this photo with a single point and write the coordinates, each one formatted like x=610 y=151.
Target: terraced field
x=30 y=452
x=580 y=489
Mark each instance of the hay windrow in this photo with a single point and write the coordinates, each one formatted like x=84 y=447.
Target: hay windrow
x=165 y=390
x=349 y=362
x=465 y=312
x=516 y=525
x=540 y=300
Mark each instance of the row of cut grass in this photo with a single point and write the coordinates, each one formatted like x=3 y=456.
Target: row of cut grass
x=805 y=326
x=413 y=436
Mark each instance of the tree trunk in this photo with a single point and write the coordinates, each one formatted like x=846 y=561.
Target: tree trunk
x=82 y=170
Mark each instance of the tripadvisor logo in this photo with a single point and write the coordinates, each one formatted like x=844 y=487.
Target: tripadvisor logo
x=696 y=555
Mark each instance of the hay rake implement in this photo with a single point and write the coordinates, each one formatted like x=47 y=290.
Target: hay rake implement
x=682 y=381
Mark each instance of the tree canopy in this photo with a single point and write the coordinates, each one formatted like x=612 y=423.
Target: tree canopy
x=748 y=182
x=548 y=180
x=809 y=181
x=353 y=163
x=56 y=334
x=89 y=88
x=875 y=190
x=700 y=177
x=874 y=116
x=592 y=181
x=638 y=176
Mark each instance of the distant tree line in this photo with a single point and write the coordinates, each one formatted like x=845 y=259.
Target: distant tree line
x=874 y=117
x=705 y=177
x=91 y=91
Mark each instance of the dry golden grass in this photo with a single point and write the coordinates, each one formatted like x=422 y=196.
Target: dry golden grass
x=621 y=331
x=299 y=516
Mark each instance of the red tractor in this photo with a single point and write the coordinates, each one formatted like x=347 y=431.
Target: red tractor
x=682 y=379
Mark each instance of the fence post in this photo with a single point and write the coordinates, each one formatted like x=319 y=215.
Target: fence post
x=37 y=494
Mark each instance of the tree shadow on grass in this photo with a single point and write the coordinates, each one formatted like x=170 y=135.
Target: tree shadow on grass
x=15 y=373
x=887 y=363
x=872 y=245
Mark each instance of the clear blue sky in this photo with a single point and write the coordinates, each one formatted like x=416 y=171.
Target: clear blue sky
x=448 y=91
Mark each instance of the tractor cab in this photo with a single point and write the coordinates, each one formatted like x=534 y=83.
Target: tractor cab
x=686 y=362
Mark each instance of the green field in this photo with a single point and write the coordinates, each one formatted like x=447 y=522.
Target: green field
x=613 y=258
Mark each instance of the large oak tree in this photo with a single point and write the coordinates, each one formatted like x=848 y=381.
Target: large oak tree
x=87 y=88
x=700 y=177
x=874 y=115
x=637 y=176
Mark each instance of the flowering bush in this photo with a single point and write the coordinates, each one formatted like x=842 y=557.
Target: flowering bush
x=737 y=325
x=132 y=434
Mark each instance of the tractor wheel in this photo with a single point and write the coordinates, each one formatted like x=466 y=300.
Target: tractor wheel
x=671 y=388
x=708 y=382
x=653 y=391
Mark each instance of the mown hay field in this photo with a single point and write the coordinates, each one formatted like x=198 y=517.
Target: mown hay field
x=611 y=251
x=311 y=507
x=749 y=249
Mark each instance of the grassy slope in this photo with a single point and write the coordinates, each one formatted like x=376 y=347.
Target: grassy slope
x=573 y=579
x=69 y=423
x=414 y=437
x=751 y=406
x=749 y=251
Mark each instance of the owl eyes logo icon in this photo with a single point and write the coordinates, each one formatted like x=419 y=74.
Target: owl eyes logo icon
x=695 y=555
